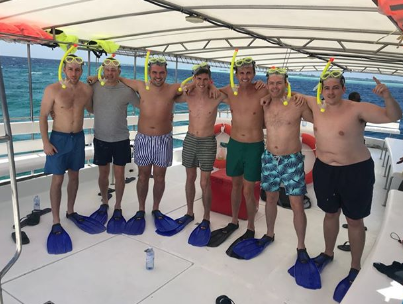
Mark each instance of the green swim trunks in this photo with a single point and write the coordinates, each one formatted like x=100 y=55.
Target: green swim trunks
x=244 y=159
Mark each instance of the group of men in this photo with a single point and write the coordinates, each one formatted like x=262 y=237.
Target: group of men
x=340 y=151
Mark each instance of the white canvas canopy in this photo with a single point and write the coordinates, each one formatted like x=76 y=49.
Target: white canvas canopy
x=299 y=35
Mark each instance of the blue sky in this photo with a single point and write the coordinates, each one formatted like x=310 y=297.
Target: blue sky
x=38 y=51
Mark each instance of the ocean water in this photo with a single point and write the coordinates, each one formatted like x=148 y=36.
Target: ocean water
x=44 y=72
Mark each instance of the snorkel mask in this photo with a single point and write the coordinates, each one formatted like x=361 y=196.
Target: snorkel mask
x=196 y=68
x=281 y=71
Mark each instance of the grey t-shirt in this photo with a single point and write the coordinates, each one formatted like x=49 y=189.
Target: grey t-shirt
x=110 y=111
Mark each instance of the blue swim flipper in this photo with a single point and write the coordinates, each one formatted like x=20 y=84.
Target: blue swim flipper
x=250 y=248
x=136 y=225
x=101 y=215
x=117 y=223
x=59 y=241
x=85 y=223
x=305 y=271
x=182 y=221
x=344 y=285
x=200 y=236
x=163 y=222
x=320 y=261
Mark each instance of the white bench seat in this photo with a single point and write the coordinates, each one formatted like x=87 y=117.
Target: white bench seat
x=395 y=152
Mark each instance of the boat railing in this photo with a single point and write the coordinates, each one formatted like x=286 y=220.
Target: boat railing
x=28 y=148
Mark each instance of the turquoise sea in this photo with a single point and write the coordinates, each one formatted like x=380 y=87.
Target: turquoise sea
x=44 y=72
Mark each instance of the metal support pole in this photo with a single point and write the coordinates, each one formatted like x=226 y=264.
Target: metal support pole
x=13 y=183
x=176 y=69
x=89 y=63
x=135 y=65
x=387 y=163
x=31 y=98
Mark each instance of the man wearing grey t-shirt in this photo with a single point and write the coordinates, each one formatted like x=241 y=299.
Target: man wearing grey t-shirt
x=111 y=139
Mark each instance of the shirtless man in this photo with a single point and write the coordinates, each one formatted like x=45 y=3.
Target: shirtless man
x=343 y=174
x=199 y=149
x=153 y=145
x=282 y=161
x=111 y=139
x=65 y=148
x=245 y=149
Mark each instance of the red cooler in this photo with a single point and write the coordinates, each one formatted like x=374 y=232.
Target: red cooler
x=221 y=186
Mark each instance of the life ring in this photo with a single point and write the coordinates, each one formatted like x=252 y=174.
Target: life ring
x=310 y=141
x=227 y=128
x=218 y=129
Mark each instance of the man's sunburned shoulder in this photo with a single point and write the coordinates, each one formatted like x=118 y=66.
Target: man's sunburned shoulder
x=54 y=86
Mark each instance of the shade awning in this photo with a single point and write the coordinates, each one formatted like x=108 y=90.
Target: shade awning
x=299 y=35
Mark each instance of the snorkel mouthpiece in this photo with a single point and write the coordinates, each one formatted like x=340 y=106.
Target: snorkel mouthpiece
x=180 y=89
x=61 y=81
x=285 y=102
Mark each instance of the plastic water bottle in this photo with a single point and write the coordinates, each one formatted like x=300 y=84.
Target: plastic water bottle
x=149 y=258
x=37 y=203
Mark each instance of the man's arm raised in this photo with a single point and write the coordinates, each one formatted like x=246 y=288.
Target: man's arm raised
x=47 y=103
x=372 y=113
x=132 y=83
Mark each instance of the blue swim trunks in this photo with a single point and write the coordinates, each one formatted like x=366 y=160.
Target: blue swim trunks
x=286 y=169
x=70 y=155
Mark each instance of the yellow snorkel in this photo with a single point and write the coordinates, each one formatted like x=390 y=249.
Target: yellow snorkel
x=319 y=90
x=146 y=71
x=285 y=102
x=61 y=81
x=231 y=74
x=180 y=89
x=100 y=79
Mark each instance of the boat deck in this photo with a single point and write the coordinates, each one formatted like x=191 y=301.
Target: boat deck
x=108 y=268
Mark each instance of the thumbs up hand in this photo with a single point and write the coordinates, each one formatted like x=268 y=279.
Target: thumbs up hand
x=380 y=89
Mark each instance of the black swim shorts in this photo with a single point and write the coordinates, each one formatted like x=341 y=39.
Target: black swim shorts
x=347 y=187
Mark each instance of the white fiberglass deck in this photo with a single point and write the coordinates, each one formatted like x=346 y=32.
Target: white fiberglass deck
x=105 y=268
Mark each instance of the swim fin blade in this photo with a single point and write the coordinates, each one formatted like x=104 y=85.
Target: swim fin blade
x=249 y=234
x=182 y=221
x=219 y=236
x=101 y=215
x=85 y=223
x=200 y=236
x=117 y=223
x=344 y=285
x=59 y=241
x=163 y=222
x=250 y=248
x=320 y=261
x=306 y=273
x=136 y=225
